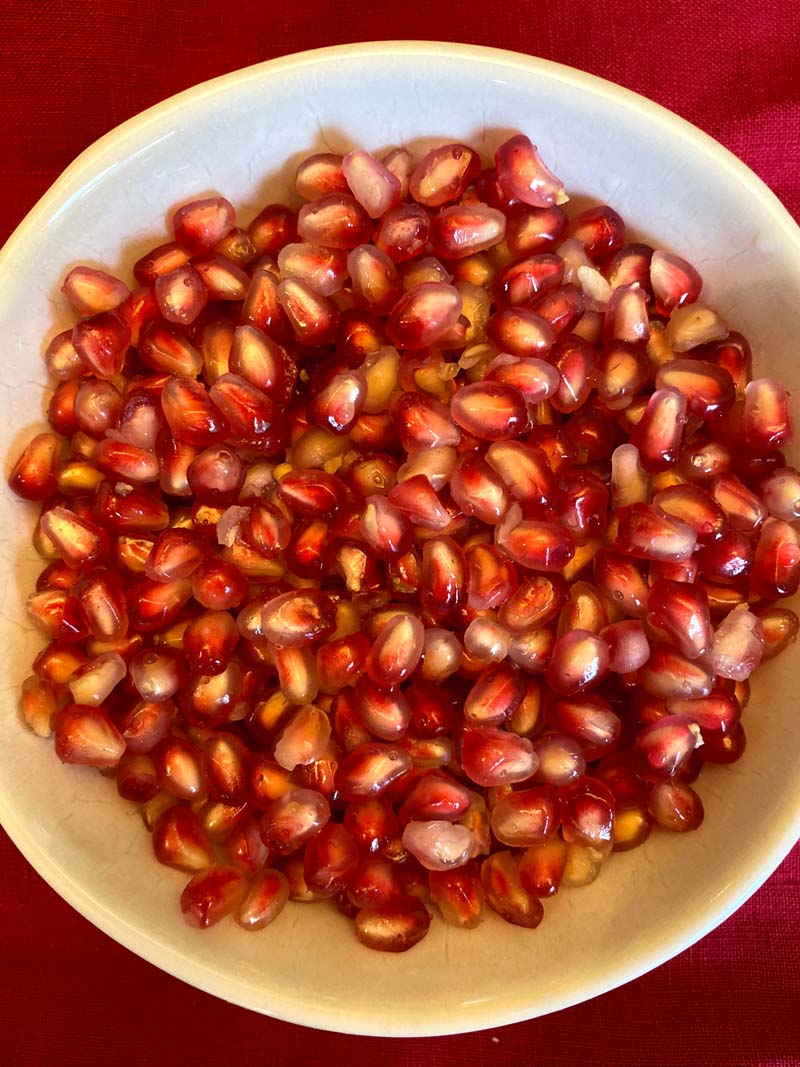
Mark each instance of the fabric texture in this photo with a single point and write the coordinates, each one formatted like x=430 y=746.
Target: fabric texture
x=69 y=72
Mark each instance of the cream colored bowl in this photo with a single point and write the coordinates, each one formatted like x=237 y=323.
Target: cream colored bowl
x=242 y=135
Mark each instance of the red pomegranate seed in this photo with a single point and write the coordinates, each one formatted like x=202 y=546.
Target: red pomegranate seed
x=263 y=901
x=526 y=817
x=491 y=756
x=664 y=746
x=202 y=224
x=369 y=769
x=179 y=841
x=424 y=316
x=87 y=735
x=505 y=893
x=521 y=174
x=35 y=474
x=395 y=926
x=490 y=411
x=102 y=342
x=61 y=359
x=675 y=806
x=443 y=174
x=91 y=291
x=211 y=895
x=459 y=895
x=181 y=295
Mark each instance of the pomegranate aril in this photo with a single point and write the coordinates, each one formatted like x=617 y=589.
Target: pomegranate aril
x=675 y=806
x=776 y=564
x=521 y=174
x=738 y=645
x=541 y=867
x=490 y=411
x=34 y=476
x=181 y=295
x=780 y=629
x=526 y=817
x=395 y=926
x=691 y=325
x=211 y=895
x=263 y=900
x=312 y=316
x=201 y=224
x=459 y=895
x=179 y=841
x=664 y=746
x=560 y=759
x=136 y=778
x=102 y=342
x=443 y=174
x=424 y=316
x=675 y=282
x=600 y=230
x=76 y=540
x=40 y=701
x=93 y=682
x=491 y=756
x=86 y=735
x=292 y=819
x=505 y=893
x=587 y=815
x=370 y=768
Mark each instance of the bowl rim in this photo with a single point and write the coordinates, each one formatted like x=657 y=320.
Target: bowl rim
x=769 y=853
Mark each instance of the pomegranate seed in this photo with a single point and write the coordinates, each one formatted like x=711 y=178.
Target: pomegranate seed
x=61 y=359
x=490 y=411
x=665 y=745
x=541 y=867
x=331 y=859
x=587 y=815
x=522 y=332
x=181 y=295
x=263 y=901
x=87 y=735
x=675 y=806
x=292 y=819
x=101 y=341
x=600 y=230
x=40 y=702
x=35 y=474
x=439 y=845
x=675 y=282
x=776 y=565
x=497 y=693
x=179 y=841
x=560 y=759
x=659 y=433
x=490 y=756
x=691 y=325
x=202 y=224
x=443 y=577
x=505 y=893
x=424 y=316
x=522 y=175
x=526 y=817
x=371 y=182
x=136 y=778
x=93 y=682
x=459 y=895
x=394 y=926
x=766 y=420
x=579 y=661
x=459 y=231
x=91 y=291
x=369 y=769
x=443 y=174
x=211 y=895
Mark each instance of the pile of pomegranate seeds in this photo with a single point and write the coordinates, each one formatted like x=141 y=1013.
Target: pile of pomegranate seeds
x=412 y=549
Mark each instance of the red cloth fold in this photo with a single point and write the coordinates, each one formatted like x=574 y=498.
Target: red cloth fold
x=69 y=73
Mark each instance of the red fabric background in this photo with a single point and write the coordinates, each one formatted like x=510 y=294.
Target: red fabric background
x=69 y=72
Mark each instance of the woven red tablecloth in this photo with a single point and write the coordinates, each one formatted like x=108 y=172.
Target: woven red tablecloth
x=69 y=72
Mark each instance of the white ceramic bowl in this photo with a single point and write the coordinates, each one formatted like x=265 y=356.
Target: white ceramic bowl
x=242 y=135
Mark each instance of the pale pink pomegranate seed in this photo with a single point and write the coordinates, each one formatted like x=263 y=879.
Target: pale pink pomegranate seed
x=675 y=282
x=91 y=291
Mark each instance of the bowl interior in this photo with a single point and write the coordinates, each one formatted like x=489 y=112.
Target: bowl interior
x=242 y=136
